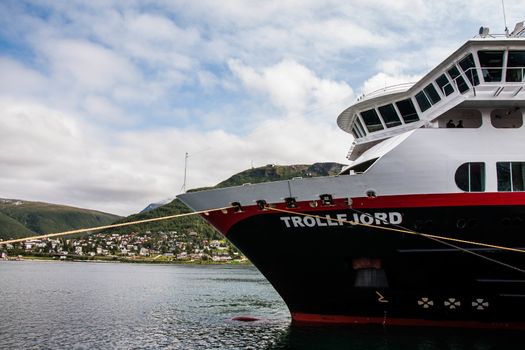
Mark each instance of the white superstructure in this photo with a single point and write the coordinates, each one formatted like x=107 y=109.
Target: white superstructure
x=403 y=140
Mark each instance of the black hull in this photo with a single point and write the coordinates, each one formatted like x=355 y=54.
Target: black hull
x=356 y=274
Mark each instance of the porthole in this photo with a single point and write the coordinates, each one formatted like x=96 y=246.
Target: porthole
x=371 y=194
x=261 y=203
x=470 y=177
x=290 y=202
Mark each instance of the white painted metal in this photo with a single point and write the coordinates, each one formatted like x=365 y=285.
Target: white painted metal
x=510 y=92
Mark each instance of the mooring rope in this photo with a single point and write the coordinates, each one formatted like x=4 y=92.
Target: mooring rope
x=441 y=239
x=65 y=233
x=436 y=238
x=401 y=230
x=492 y=260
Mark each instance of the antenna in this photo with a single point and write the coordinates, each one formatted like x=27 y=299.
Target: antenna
x=504 y=17
x=183 y=188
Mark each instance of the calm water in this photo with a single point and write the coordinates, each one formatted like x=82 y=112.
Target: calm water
x=65 y=305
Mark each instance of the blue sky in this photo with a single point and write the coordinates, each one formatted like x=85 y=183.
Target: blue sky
x=100 y=100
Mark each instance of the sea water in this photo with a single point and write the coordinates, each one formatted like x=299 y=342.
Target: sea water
x=70 y=305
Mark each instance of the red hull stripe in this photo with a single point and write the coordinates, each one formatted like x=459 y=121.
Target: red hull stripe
x=441 y=200
x=224 y=221
x=385 y=321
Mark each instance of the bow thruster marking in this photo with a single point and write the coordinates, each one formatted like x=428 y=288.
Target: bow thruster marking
x=425 y=303
x=480 y=304
x=452 y=303
x=381 y=298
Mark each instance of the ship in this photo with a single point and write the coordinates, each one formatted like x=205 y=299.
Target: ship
x=426 y=226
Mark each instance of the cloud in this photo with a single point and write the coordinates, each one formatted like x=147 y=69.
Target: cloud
x=99 y=107
x=291 y=86
x=18 y=79
x=48 y=155
x=99 y=101
x=88 y=66
x=383 y=80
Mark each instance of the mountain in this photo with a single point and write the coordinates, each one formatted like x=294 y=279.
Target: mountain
x=152 y=206
x=272 y=172
x=20 y=218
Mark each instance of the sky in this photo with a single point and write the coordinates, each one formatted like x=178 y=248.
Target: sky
x=100 y=100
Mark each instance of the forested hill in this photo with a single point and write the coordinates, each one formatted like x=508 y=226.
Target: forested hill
x=19 y=218
x=273 y=172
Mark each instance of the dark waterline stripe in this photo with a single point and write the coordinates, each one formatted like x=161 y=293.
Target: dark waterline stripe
x=298 y=317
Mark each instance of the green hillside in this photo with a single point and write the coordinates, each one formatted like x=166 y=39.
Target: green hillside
x=10 y=228
x=23 y=218
x=272 y=172
x=183 y=224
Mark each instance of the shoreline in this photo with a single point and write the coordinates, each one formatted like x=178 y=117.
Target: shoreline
x=152 y=261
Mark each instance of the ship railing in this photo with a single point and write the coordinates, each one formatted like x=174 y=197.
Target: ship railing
x=495 y=74
x=458 y=84
x=490 y=75
x=386 y=90
x=499 y=35
x=517 y=32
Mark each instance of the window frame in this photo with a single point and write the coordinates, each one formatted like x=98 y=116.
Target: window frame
x=369 y=116
x=488 y=69
x=511 y=178
x=458 y=79
x=482 y=179
x=444 y=88
x=406 y=117
x=432 y=94
x=422 y=101
x=389 y=123
x=513 y=67
x=469 y=68
x=360 y=126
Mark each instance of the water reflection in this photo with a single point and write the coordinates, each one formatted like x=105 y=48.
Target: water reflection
x=117 y=306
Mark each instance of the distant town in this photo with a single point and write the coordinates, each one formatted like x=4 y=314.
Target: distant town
x=160 y=247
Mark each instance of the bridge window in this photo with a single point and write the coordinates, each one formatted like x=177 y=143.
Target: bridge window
x=491 y=65
x=432 y=94
x=444 y=85
x=389 y=115
x=506 y=118
x=372 y=121
x=426 y=98
x=511 y=176
x=470 y=177
x=458 y=79
x=422 y=101
x=469 y=67
x=355 y=132
x=407 y=110
x=359 y=126
x=515 y=66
